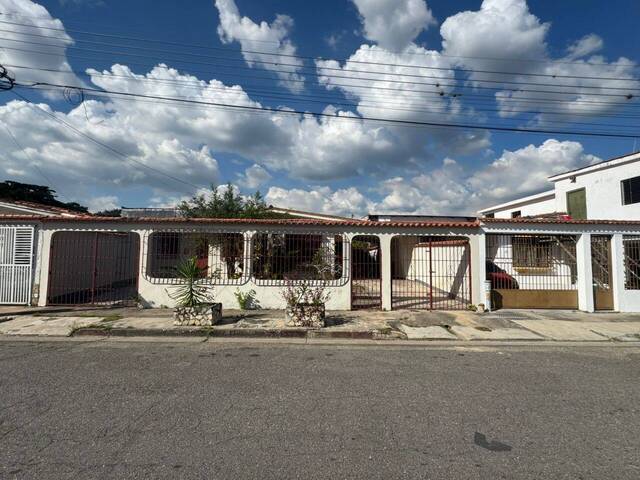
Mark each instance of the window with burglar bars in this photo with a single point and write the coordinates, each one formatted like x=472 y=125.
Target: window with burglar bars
x=532 y=252
x=631 y=262
x=532 y=262
x=283 y=257
x=220 y=256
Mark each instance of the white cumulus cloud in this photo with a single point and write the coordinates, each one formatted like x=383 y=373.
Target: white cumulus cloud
x=394 y=24
x=262 y=42
x=26 y=19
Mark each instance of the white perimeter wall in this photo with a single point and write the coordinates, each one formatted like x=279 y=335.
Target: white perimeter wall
x=156 y=294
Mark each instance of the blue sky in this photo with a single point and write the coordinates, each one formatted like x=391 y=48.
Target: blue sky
x=345 y=166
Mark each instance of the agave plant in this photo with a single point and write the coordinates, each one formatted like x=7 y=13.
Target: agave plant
x=191 y=292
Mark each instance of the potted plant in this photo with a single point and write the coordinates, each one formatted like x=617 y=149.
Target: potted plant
x=305 y=304
x=193 y=297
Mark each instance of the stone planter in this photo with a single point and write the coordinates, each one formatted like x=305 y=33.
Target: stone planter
x=203 y=315
x=306 y=315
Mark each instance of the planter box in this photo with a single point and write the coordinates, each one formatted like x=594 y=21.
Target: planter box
x=306 y=315
x=202 y=315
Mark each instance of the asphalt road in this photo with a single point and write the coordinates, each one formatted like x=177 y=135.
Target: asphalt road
x=120 y=410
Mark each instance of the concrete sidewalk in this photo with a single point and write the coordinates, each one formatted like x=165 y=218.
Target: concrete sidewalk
x=505 y=325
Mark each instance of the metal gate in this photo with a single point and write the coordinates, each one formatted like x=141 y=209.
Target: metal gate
x=432 y=273
x=366 y=282
x=532 y=271
x=16 y=258
x=93 y=268
x=601 y=272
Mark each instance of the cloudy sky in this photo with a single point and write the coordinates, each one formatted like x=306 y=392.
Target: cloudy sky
x=163 y=100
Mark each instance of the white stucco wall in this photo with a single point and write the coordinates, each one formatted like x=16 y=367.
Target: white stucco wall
x=532 y=207
x=603 y=192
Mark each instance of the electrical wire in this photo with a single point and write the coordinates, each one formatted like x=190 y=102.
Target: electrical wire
x=369 y=87
x=383 y=106
x=628 y=96
x=324 y=68
x=102 y=144
x=326 y=97
x=32 y=162
x=301 y=57
x=398 y=122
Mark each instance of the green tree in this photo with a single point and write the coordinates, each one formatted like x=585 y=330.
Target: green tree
x=229 y=204
x=10 y=190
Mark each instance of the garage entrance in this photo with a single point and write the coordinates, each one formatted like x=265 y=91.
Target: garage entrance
x=430 y=272
x=366 y=282
x=532 y=271
x=93 y=268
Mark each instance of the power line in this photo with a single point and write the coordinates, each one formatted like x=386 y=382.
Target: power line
x=398 y=122
x=32 y=163
x=397 y=107
x=269 y=113
x=195 y=45
x=343 y=70
x=363 y=87
x=302 y=57
x=330 y=76
x=102 y=144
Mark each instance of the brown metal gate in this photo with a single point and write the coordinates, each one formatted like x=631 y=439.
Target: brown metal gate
x=93 y=268
x=432 y=273
x=366 y=281
x=601 y=272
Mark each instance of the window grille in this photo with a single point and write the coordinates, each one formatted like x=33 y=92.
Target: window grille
x=220 y=256
x=631 y=262
x=532 y=262
x=279 y=258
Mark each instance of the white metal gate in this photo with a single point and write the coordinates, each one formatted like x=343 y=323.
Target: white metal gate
x=16 y=258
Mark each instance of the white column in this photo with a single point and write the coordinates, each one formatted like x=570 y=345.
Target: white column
x=478 y=267
x=585 y=277
x=44 y=252
x=617 y=271
x=247 y=261
x=347 y=274
x=385 y=271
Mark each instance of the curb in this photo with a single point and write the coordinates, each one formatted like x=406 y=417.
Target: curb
x=233 y=332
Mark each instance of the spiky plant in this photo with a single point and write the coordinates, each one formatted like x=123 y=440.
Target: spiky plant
x=191 y=292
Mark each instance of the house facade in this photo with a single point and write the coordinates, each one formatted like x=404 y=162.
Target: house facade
x=413 y=264
x=528 y=253
x=605 y=190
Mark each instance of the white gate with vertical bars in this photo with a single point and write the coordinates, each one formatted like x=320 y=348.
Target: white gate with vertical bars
x=16 y=258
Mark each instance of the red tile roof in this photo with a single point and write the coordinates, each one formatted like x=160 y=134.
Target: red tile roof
x=247 y=221
x=44 y=208
x=318 y=222
x=559 y=220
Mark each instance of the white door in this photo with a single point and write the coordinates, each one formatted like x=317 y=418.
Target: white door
x=16 y=258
